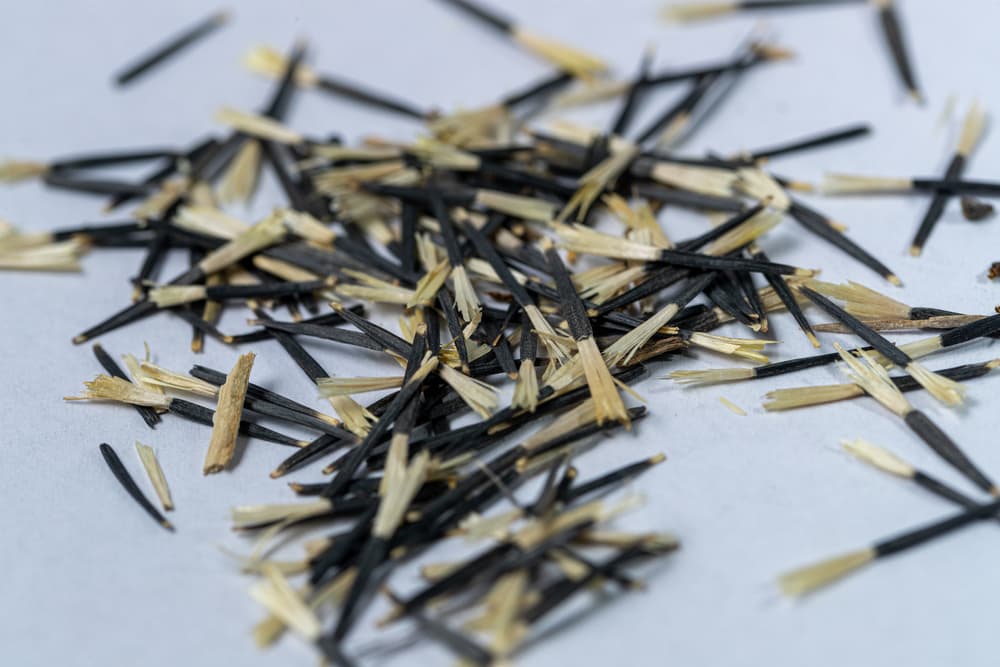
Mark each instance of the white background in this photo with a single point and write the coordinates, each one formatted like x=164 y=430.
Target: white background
x=90 y=580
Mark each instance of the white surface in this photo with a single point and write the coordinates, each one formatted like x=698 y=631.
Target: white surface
x=90 y=580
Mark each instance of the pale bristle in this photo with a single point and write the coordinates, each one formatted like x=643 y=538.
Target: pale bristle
x=209 y=221
x=399 y=495
x=465 y=294
x=168 y=296
x=744 y=348
x=592 y=92
x=732 y=407
x=139 y=376
x=562 y=56
x=357 y=385
x=444 y=156
x=673 y=131
x=304 y=225
x=697 y=11
x=266 y=233
x=526 y=388
x=527 y=208
x=429 y=285
x=20 y=170
x=878 y=457
x=397 y=295
x=546 y=333
x=597 y=179
x=581 y=415
x=800 y=397
x=258 y=126
x=580 y=239
x=874 y=379
x=639 y=218
x=340 y=153
x=155 y=474
x=270 y=62
x=812 y=577
x=332 y=181
x=623 y=349
x=921 y=348
x=356 y=418
x=612 y=280
x=279 y=598
x=478 y=395
x=59 y=256
x=715 y=376
x=839 y=184
x=762 y=187
x=862 y=301
x=282 y=269
x=240 y=179
x=704 y=180
x=467 y=127
x=972 y=130
x=607 y=401
x=745 y=233
x=155 y=205
x=249 y=516
x=106 y=388
x=947 y=391
x=151 y=374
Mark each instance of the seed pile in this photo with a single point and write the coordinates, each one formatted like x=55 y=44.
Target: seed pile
x=486 y=250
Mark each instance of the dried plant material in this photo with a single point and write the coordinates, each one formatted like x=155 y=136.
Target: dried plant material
x=266 y=233
x=862 y=301
x=800 y=397
x=465 y=294
x=306 y=226
x=842 y=184
x=105 y=388
x=595 y=181
x=808 y=579
x=257 y=126
x=240 y=180
x=355 y=417
x=607 y=402
x=60 y=256
x=526 y=389
x=252 y=516
x=121 y=473
x=155 y=474
x=478 y=395
x=209 y=221
x=561 y=56
x=697 y=11
x=356 y=385
x=592 y=92
x=703 y=180
x=226 y=421
x=160 y=377
x=528 y=208
x=732 y=407
x=639 y=218
x=169 y=296
x=279 y=598
x=713 y=376
x=466 y=127
x=269 y=62
x=21 y=170
x=878 y=457
x=761 y=186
